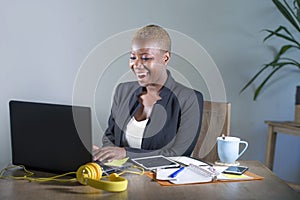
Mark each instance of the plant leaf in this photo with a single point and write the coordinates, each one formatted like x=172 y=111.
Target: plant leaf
x=283 y=49
x=286 y=14
x=290 y=59
x=279 y=29
x=254 y=77
x=297 y=3
x=292 y=14
x=281 y=36
x=297 y=6
x=291 y=11
x=292 y=62
x=257 y=91
x=276 y=66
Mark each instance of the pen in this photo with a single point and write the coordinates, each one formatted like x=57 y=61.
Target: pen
x=174 y=174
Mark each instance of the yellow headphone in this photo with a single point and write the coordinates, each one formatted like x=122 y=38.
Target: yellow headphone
x=91 y=173
x=88 y=174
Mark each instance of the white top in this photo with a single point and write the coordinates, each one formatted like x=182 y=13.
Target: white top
x=134 y=132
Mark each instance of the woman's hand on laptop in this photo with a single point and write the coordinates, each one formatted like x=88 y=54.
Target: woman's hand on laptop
x=108 y=154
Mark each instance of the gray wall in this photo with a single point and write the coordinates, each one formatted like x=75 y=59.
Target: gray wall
x=43 y=44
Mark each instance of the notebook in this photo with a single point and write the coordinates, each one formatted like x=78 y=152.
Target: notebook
x=50 y=137
x=190 y=174
x=199 y=174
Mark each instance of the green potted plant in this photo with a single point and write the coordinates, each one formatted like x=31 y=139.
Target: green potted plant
x=291 y=36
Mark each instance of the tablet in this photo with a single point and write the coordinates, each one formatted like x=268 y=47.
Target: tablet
x=155 y=162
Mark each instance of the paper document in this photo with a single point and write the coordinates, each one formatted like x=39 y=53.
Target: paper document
x=190 y=174
x=164 y=174
x=198 y=174
x=233 y=177
x=187 y=161
x=117 y=163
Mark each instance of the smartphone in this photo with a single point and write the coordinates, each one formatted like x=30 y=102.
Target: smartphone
x=239 y=170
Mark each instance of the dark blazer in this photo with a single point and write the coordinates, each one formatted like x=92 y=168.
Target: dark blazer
x=173 y=126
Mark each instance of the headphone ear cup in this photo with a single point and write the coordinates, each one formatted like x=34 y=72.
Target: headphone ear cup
x=89 y=170
x=91 y=173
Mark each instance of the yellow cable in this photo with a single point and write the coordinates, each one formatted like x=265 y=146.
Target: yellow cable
x=134 y=172
x=28 y=175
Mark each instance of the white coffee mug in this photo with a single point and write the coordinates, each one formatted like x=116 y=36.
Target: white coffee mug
x=228 y=148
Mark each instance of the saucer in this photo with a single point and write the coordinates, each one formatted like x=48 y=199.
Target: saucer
x=218 y=162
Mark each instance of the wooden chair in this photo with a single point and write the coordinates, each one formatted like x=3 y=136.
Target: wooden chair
x=215 y=122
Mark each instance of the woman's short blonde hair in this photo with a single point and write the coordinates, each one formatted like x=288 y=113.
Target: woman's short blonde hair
x=156 y=34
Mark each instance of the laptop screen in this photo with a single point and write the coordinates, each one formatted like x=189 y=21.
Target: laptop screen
x=50 y=137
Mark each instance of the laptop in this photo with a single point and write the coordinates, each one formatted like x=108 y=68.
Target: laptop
x=50 y=137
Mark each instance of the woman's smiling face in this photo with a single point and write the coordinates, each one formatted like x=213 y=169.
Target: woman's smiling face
x=148 y=63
